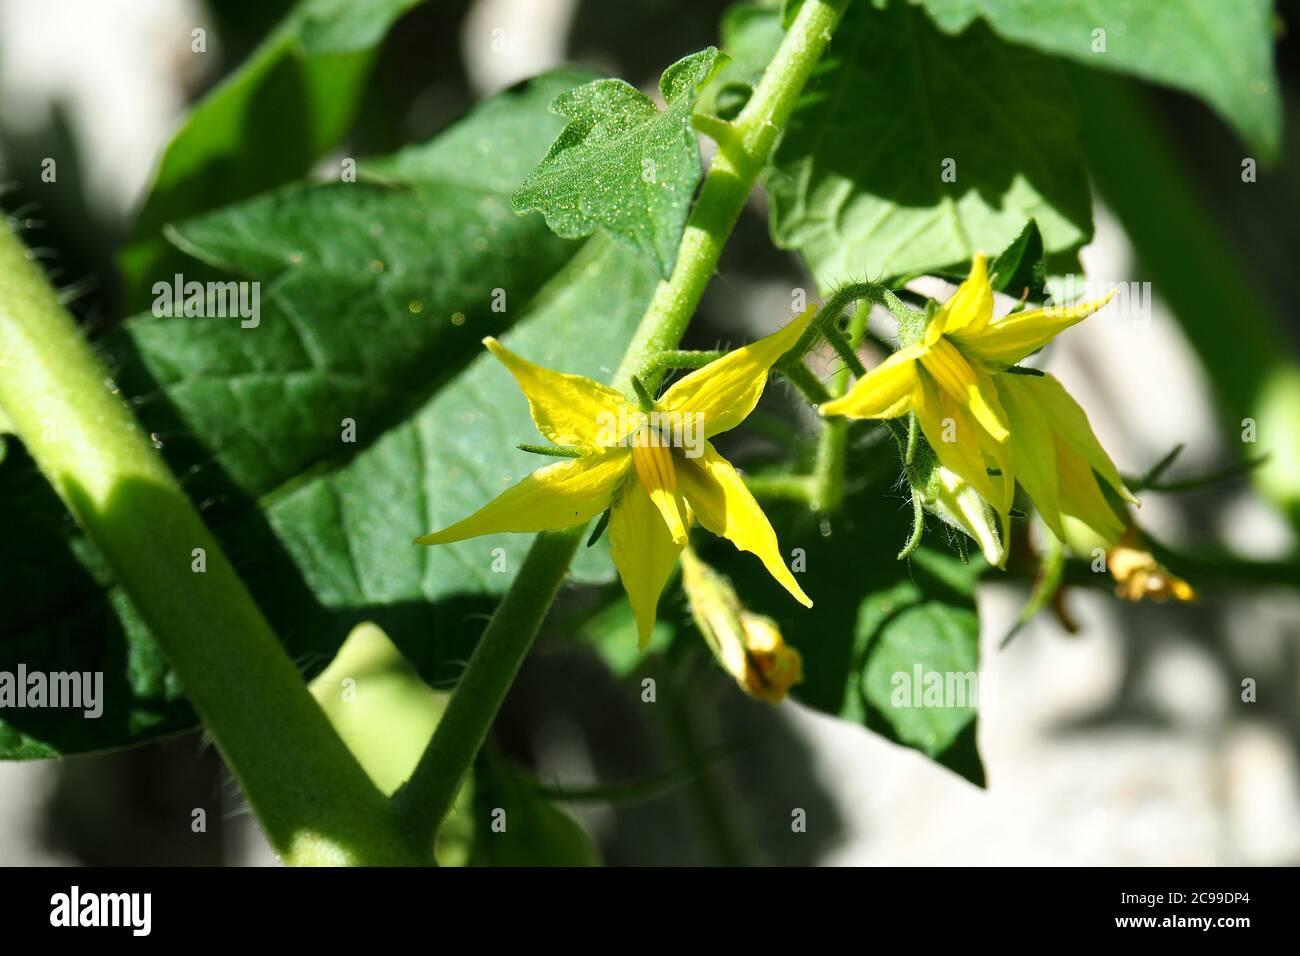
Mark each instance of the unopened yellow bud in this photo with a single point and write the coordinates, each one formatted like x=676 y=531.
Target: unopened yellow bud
x=748 y=646
x=1138 y=575
x=775 y=666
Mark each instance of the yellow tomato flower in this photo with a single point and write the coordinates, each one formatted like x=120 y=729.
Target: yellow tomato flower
x=984 y=423
x=1058 y=458
x=656 y=471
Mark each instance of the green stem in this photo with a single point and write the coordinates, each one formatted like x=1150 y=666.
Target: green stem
x=634 y=792
x=315 y=802
x=781 y=487
x=740 y=157
x=808 y=384
x=918 y=529
x=668 y=361
x=705 y=791
x=833 y=448
x=424 y=800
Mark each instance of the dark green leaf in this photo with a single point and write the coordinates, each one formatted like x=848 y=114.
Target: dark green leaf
x=59 y=614
x=611 y=632
x=622 y=165
x=1020 y=268
x=514 y=825
x=253 y=419
x=875 y=621
x=1219 y=50
x=913 y=150
x=288 y=105
x=920 y=680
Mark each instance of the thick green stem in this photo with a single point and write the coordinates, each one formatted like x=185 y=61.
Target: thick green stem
x=424 y=800
x=315 y=802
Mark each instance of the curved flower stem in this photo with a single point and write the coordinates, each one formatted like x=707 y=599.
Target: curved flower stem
x=311 y=796
x=424 y=800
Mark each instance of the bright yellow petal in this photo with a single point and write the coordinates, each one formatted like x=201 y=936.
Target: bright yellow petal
x=1081 y=497
x=723 y=504
x=654 y=466
x=1033 y=448
x=971 y=386
x=955 y=438
x=887 y=391
x=970 y=307
x=559 y=495
x=1070 y=422
x=1010 y=339
x=567 y=409
x=725 y=391
x=643 y=551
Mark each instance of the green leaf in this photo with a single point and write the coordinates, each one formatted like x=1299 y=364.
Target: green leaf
x=875 y=621
x=611 y=631
x=1219 y=50
x=515 y=826
x=398 y=711
x=253 y=419
x=266 y=124
x=859 y=185
x=59 y=614
x=750 y=34
x=622 y=165
x=1020 y=267
x=919 y=681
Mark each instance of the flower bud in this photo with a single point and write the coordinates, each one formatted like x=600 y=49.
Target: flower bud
x=748 y=646
x=1139 y=575
x=953 y=500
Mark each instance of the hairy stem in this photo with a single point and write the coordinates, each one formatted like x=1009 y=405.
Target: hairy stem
x=833 y=449
x=313 y=799
x=424 y=800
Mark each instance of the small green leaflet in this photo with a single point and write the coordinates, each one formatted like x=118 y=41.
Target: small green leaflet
x=1019 y=269
x=622 y=165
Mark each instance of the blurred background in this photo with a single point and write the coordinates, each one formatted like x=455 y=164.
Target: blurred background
x=1125 y=743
